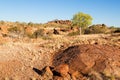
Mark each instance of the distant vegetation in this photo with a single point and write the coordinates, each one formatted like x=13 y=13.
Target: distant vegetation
x=96 y=29
x=82 y=21
x=56 y=27
x=101 y=28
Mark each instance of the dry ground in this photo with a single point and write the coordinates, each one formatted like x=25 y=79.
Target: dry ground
x=18 y=57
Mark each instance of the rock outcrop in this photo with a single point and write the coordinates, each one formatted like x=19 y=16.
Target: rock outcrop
x=67 y=22
x=90 y=61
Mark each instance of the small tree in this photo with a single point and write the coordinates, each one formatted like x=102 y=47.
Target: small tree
x=82 y=21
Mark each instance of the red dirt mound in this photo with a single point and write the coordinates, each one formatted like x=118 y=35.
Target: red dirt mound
x=87 y=59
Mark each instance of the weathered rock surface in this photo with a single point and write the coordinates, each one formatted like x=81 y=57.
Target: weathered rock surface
x=68 y=22
x=90 y=59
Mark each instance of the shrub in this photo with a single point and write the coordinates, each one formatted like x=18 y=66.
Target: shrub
x=47 y=37
x=14 y=29
x=114 y=29
x=96 y=29
x=37 y=33
x=117 y=30
x=74 y=33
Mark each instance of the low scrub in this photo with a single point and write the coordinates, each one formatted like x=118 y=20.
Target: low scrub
x=96 y=29
x=37 y=33
x=117 y=30
x=74 y=33
x=14 y=29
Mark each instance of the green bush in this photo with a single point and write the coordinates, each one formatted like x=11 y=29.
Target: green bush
x=117 y=30
x=47 y=37
x=74 y=33
x=37 y=33
x=14 y=29
x=96 y=29
x=114 y=29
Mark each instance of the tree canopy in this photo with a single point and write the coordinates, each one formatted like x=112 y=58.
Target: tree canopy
x=82 y=20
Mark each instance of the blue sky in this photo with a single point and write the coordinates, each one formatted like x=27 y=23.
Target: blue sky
x=40 y=11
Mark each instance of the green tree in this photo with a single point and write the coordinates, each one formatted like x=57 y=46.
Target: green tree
x=82 y=21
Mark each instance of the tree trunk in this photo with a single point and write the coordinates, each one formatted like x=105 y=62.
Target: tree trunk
x=80 y=30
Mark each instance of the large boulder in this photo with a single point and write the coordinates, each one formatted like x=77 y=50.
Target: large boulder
x=96 y=60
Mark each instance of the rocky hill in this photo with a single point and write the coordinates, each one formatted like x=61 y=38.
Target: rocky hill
x=66 y=22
